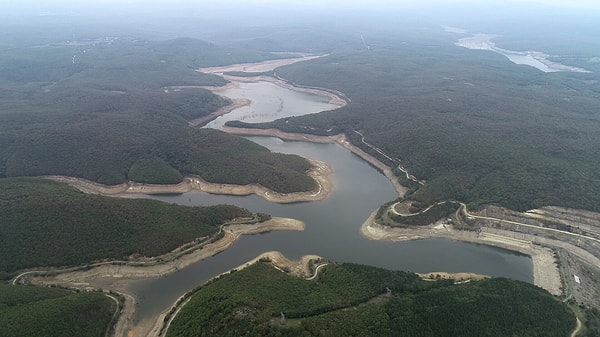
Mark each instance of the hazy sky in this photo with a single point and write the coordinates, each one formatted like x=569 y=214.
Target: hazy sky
x=343 y=3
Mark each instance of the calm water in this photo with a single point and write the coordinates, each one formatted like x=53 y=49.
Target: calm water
x=270 y=102
x=332 y=231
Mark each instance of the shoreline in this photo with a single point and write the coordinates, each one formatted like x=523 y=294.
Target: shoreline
x=339 y=139
x=117 y=277
x=321 y=172
x=299 y=268
x=334 y=98
x=235 y=104
x=170 y=262
x=258 y=67
x=545 y=270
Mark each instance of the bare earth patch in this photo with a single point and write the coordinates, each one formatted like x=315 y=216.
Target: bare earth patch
x=236 y=104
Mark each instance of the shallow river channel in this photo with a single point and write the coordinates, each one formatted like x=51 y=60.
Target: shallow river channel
x=332 y=225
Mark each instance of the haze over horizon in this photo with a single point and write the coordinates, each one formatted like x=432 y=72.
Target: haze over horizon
x=74 y=6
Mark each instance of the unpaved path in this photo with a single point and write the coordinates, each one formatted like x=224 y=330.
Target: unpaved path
x=321 y=172
x=577 y=328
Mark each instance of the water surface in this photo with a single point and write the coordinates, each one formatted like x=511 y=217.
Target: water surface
x=270 y=102
x=332 y=231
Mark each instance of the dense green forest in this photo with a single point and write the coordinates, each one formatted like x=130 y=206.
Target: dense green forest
x=475 y=126
x=43 y=223
x=103 y=110
x=49 y=312
x=352 y=300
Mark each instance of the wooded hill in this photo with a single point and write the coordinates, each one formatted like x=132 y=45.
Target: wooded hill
x=51 y=312
x=44 y=223
x=352 y=300
x=108 y=115
x=475 y=126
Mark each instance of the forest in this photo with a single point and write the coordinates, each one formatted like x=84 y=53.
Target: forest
x=44 y=223
x=353 y=300
x=474 y=126
x=110 y=114
x=53 y=312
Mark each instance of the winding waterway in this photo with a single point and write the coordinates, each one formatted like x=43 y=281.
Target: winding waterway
x=332 y=225
x=270 y=102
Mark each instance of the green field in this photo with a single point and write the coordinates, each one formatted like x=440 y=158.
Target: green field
x=43 y=223
x=50 y=312
x=352 y=300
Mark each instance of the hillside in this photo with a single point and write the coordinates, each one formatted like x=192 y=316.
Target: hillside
x=104 y=110
x=49 y=312
x=474 y=126
x=352 y=300
x=43 y=223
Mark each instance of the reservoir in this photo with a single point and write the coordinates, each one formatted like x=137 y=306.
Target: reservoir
x=332 y=231
x=332 y=225
x=270 y=102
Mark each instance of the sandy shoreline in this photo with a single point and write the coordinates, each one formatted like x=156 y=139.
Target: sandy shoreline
x=335 y=98
x=321 y=172
x=236 y=104
x=257 y=67
x=116 y=277
x=534 y=59
x=300 y=268
x=339 y=139
x=545 y=271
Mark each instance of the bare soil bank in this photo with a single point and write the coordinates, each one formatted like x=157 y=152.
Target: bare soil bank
x=545 y=270
x=339 y=139
x=235 y=104
x=321 y=173
x=257 y=67
x=335 y=97
x=307 y=267
x=116 y=277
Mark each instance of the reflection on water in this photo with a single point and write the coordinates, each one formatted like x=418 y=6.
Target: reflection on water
x=332 y=231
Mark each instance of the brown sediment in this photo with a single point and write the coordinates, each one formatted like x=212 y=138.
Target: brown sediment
x=457 y=277
x=321 y=172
